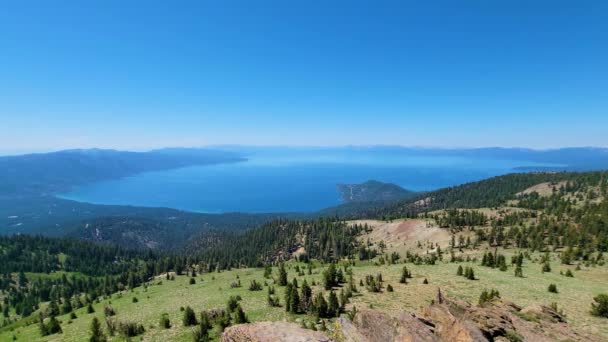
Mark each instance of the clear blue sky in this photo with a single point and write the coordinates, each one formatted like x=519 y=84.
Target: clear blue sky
x=136 y=75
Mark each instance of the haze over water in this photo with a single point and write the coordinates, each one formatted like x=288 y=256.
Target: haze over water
x=282 y=182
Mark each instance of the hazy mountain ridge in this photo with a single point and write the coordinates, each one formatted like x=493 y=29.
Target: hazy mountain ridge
x=49 y=173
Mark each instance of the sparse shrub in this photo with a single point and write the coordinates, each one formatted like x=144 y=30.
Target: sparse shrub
x=90 y=309
x=405 y=273
x=488 y=296
x=569 y=273
x=108 y=311
x=239 y=315
x=273 y=301
x=130 y=329
x=600 y=307
x=165 y=323
x=519 y=273
x=192 y=281
x=552 y=288
x=389 y=288
x=255 y=286
x=112 y=326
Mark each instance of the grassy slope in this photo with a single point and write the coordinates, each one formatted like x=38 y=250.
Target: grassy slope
x=575 y=296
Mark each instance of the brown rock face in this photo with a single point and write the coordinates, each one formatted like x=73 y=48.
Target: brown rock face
x=272 y=332
x=370 y=325
x=447 y=319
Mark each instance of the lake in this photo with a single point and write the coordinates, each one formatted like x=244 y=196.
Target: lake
x=286 y=183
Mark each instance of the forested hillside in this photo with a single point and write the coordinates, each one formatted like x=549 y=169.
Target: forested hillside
x=492 y=192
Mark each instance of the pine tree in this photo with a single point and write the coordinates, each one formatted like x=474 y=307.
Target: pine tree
x=54 y=327
x=239 y=315
x=333 y=304
x=294 y=300
x=519 y=272
x=329 y=277
x=189 y=317
x=282 y=275
x=320 y=306
x=288 y=293
x=96 y=332
x=67 y=306
x=205 y=324
x=42 y=327
x=306 y=296
x=53 y=309
x=404 y=275
x=267 y=271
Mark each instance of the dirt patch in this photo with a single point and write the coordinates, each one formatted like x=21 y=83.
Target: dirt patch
x=272 y=331
x=405 y=234
x=543 y=189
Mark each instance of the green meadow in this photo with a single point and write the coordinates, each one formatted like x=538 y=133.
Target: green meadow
x=212 y=291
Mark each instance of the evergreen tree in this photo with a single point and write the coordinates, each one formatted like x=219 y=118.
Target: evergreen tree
x=333 y=304
x=96 y=331
x=320 y=306
x=282 y=275
x=519 y=272
x=329 y=277
x=54 y=327
x=306 y=296
x=294 y=300
x=42 y=327
x=239 y=315
x=67 y=306
x=189 y=317
x=288 y=294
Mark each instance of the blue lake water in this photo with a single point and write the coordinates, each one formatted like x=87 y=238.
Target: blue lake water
x=283 y=183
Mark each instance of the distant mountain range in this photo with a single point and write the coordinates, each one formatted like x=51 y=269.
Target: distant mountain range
x=568 y=158
x=50 y=173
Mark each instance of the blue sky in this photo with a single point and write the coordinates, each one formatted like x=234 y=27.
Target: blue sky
x=137 y=75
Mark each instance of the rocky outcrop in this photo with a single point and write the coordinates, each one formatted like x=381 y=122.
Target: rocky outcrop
x=371 y=325
x=447 y=319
